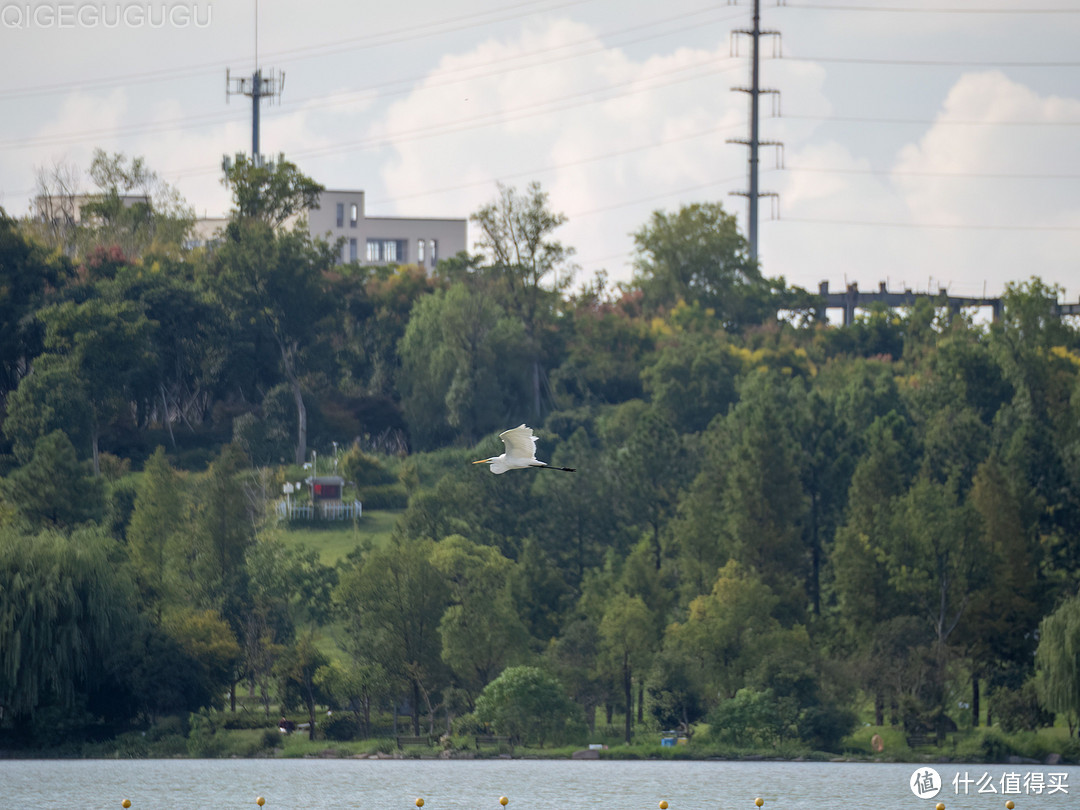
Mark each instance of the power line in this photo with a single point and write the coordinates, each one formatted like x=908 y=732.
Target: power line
x=918 y=10
x=853 y=60
x=651 y=198
x=559 y=166
x=396 y=36
x=572 y=101
x=930 y=225
x=853 y=119
x=344 y=97
x=906 y=173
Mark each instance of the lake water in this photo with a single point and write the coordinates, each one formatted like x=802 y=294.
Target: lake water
x=299 y=784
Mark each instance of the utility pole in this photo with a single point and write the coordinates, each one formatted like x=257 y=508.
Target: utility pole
x=257 y=87
x=754 y=142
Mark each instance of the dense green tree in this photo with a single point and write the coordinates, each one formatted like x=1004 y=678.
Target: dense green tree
x=110 y=348
x=826 y=463
x=519 y=253
x=863 y=591
x=161 y=677
x=155 y=525
x=627 y=643
x=575 y=534
x=52 y=397
x=693 y=380
x=375 y=307
x=54 y=490
x=697 y=255
x=937 y=559
x=606 y=346
x=1001 y=629
x=189 y=338
x=297 y=671
x=207 y=638
x=528 y=705
x=763 y=502
x=26 y=273
x=720 y=638
x=573 y=658
x=393 y=603
x=480 y=629
x=877 y=332
x=865 y=596
x=354 y=686
x=272 y=192
x=274 y=283
x=290 y=582
x=211 y=571
x=650 y=469
x=461 y=361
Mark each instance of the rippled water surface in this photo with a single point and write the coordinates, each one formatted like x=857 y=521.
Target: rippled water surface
x=528 y=784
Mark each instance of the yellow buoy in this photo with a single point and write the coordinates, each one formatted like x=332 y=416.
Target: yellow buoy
x=503 y=800
x=1009 y=805
x=941 y=806
x=126 y=803
x=259 y=800
x=759 y=801
x=663 y=805
x=419 y=802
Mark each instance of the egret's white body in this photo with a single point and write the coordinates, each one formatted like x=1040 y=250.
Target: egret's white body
x=520 y=452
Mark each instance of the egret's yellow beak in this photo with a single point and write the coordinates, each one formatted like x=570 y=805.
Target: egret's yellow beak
x=482 y=461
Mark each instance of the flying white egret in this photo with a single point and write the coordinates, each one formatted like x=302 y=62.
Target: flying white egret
x=520 y=453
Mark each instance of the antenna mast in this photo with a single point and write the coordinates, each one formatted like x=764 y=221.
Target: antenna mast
x=256 y=87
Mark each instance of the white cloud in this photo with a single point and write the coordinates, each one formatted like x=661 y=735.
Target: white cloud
x=598 y=132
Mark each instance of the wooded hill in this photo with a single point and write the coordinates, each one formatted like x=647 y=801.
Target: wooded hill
x=776 y=523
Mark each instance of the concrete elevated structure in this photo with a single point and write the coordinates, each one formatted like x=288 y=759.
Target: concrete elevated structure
x=851 y=299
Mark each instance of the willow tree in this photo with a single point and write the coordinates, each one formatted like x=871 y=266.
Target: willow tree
x=64 y=607
x=1057 y=661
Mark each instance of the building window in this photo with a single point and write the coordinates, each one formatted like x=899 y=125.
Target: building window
x=353 y=213
x=340 y=214
x=388 y=250
x=420 y=250
x=434 y=252
x=352 y=250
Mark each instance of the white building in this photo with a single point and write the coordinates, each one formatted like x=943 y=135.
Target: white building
x=205 y=232
x=368 y=240
x=384 y=240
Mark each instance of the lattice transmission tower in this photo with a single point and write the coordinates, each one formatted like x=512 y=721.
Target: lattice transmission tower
x=754 y=142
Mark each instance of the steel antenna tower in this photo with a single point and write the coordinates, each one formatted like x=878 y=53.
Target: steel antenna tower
x=256 y=87
x=754 y=142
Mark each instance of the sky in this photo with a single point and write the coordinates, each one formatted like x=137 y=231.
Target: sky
x=926 y=144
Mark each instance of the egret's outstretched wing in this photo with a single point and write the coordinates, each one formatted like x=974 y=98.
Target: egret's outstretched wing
x=520 y=442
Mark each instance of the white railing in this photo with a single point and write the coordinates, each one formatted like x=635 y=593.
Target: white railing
x=324 y=511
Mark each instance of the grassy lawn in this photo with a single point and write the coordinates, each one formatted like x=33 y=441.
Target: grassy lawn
x=335 y=539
